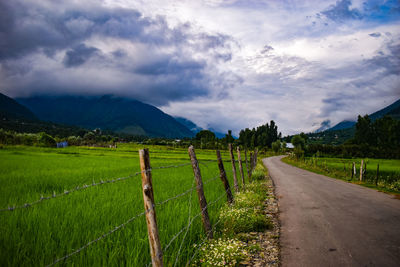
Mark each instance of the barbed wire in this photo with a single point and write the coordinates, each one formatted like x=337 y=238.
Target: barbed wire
x=193 y=218
x=85 y=186
x=98 y=239
x=185 y=193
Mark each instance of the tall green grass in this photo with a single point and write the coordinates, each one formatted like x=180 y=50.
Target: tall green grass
x=38 y=235
x=388 y=176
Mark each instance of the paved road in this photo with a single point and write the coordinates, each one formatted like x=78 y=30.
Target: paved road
x=328 y=222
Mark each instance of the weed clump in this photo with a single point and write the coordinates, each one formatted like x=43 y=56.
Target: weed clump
x=222 y=252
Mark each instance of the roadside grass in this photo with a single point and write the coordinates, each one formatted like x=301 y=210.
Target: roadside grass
x=389 y=171
x=232 y=245
x=37 y=235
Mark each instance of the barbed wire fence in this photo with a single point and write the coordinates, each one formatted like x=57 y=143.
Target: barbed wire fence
x=151 y=209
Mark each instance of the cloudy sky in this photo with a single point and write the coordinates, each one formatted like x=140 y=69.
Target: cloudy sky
x=222 y=64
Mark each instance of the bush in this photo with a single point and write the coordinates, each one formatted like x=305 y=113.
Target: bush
x=46 y=140
x=221 y=252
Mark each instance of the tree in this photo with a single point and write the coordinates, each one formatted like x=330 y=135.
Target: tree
x=46 y=140
x=206 y=139
x=276 y=146
x=298 y=142
x=365 y=132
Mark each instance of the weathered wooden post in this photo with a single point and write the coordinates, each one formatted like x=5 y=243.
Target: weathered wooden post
x=148 y=199
x=361 y=170
x=247 y=165
x=235 y=181
x=255 y=157
x=224 y=179
x=353 y=170
x=377 y=175
x=200 y=193
x=241 y=167
x=251 y=162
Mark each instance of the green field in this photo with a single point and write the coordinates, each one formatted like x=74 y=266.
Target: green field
x=388 y=176
x=53 y=228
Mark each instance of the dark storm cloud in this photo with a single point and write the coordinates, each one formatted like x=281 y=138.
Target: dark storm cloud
x=375 y=34
x=341 y=11
x=79 y=55
x=149 y=60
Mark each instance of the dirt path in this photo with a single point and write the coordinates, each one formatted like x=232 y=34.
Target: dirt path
x=328 y=222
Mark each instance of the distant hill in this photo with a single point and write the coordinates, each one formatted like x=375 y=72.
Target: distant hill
x=189 y=124
x=345 y=130
x=107 y=113
x=18 y=118
x=12 y=110
x=195 y=129
x=392 y=110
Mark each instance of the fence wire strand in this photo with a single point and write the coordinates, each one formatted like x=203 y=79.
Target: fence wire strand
x=97 y=239
x=85 y=186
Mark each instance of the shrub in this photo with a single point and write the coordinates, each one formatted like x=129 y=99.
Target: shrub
x=221 y=252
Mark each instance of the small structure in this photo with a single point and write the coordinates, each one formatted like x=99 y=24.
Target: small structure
x=62 y=144
x=289 y=145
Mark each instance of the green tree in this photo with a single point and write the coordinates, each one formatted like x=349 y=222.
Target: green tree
x=46 y=140
x=298 y=142
x=276 y=146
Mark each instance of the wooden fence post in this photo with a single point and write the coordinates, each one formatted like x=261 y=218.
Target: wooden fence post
x=377 y=175
x=251 y=163
x=224 y=179
x=235 y=181
x=200 y=193
x=148 y=199
x=353 y=170
x=247 y=165
x=361 y=170
x=241 y=167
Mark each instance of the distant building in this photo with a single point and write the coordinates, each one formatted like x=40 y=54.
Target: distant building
x=62 y=144
x=289 y=145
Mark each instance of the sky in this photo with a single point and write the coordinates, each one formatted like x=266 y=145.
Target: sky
x=229 y=64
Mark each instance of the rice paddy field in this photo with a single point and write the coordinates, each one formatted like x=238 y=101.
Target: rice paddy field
x=388 y=177
x=40 y=234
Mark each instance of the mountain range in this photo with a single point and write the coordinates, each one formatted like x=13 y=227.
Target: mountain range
x=107 y=112
x=392 y=110
x=345 y=130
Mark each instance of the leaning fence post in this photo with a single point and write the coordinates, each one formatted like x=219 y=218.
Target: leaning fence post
x=200 y=193
x=247 y=165
x=224 y=179
x=241 y=167
x=251 y=163
x=361 y=170
x=235 y=181
x=377 y=175
x=148 y=199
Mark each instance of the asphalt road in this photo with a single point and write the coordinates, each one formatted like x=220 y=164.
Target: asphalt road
x=328 y=222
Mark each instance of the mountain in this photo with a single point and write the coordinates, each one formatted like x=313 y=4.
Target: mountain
x=195 y=129
x=188 y=124
x=345 y=130
x=107 y=113
x=18 y=118
x=343 y=125
x=12 y=110
x=392 y=110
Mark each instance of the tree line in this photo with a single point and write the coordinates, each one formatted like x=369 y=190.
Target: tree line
x=263 y=137
x=373 y=139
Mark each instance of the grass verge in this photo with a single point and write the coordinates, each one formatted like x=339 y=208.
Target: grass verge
x=337 y=174
x=241 y=224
